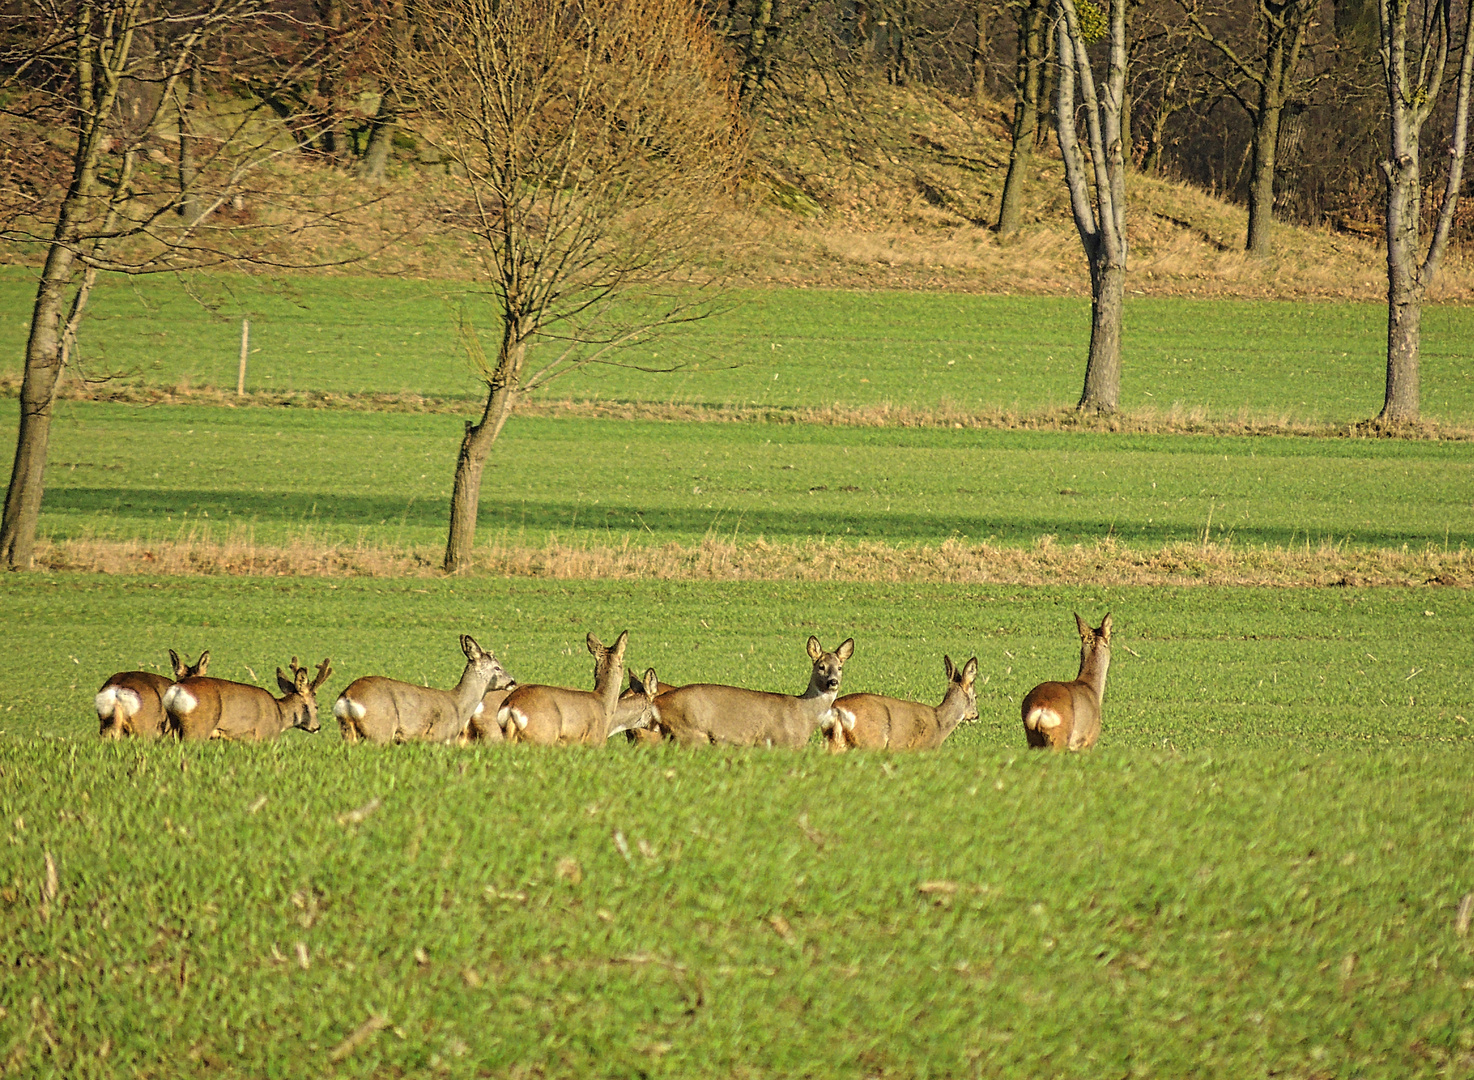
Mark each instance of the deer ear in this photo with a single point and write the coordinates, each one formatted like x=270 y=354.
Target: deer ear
x=947 y=666
x=1083 y=627
x=469 y=647
x=179 y=669
x=620 y=644
x=815 y=649
x=595 y=645
x=652 y=684
x=302 y=681
x=1105 y=627
x=970 y=672
x=203 y=662
x=286 y=684
x=846 y=650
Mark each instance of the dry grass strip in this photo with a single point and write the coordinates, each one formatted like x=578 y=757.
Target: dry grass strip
x=714 y=559
x=1175 y=420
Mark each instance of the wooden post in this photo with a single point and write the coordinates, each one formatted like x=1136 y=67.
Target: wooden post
x=240 y=379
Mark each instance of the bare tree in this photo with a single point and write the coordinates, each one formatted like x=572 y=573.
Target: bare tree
x=95 y=92
x=1412 y=96
x=1099 y=208
x=1033 y=46
x=593 y=138
x=1264 y=85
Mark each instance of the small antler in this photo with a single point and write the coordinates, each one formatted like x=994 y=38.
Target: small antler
x=324 y=669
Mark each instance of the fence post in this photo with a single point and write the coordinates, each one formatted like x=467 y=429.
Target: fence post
x=240 y=379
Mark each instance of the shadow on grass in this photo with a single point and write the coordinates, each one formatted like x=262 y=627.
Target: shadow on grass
x=537 y=517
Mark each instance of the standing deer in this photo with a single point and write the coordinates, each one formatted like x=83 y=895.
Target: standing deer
x=132 y=702
x=389 y=711
x=873 y=722
x=555 y=716
x=1066 y=716
x=204 y=708
x=704 y=713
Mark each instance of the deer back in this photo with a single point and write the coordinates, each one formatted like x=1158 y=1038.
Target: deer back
x=1066 y=716
x=707 y=713
x=203 y=707
x=383 y=710
x=556 y=715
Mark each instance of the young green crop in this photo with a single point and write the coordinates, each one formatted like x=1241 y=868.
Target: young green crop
x=1192 y=667
x=795 y=348
x=384 y=480
x=302 y=909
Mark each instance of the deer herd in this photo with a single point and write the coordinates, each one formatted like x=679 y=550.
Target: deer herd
x=489 y=706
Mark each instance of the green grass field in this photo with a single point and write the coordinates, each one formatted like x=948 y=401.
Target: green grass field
x=1256 y=873
x=1306 y=361
x=160 y=472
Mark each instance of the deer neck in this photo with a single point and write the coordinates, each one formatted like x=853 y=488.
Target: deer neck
x=1093 y=665
x=626 y=715
x=290 y=711
x=607 y=687
x=952 y=709
x=816 y=701
x=469 y=690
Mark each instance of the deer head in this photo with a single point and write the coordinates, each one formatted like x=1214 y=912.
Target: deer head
x=305 y=715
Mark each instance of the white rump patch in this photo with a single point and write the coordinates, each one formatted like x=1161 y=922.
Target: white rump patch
x=345 y=707
x=479 y=709
x=107 y=699
x=1047 y=719
x=179 y=700
x=846 y=718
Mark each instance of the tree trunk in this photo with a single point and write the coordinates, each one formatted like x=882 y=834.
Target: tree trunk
x=1404 y=316
x=37 y=396
x=465 y=497
x=1025 y=115
x=1261 y=177
x=1102 y=393
x=979 y=65
x=380 y=140
x=189 y=197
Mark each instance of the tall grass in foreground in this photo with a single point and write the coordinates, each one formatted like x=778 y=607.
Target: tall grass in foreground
x=310 y=909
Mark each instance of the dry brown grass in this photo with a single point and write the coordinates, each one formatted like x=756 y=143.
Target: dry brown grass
x=1175 y=420
x=714 y=559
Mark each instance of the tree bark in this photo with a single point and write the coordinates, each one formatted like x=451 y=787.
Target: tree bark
x=1261 y=181
x=1102 y=391
x=1411 y=100
x=37 y=397
x=979 y=66
x=465 y=496
x=380 y=140
x=1027 y=79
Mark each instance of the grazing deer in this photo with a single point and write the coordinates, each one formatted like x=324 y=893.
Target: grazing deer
x=389 y=711
x=132 y=702
x=1066 y=716
x=555 y=716
x=705 y=713
x=873 y=722
x=204 y=708
x=651 y=734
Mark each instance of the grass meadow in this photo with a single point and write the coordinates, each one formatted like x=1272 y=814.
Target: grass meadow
x=786 y=349
x=1264 y=869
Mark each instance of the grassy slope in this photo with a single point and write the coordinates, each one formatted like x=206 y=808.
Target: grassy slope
x=383 y=480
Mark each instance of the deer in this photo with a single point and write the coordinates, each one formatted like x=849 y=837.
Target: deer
x=382 y=710
x=705 y=714
x=132 y=702
x=208 y=708
x=1066 y=715
x=874 y=722
x=556 y=716
x=651 y=734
